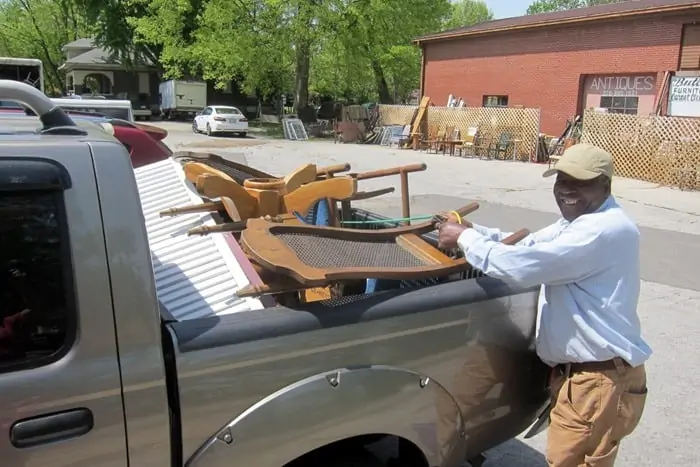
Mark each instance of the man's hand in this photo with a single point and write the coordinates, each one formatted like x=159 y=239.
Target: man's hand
x=449 y=232
x=451 y=217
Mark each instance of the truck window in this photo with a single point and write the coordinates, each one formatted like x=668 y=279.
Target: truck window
x=36 y=312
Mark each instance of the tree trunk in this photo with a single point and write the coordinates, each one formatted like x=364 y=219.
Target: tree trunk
x=301 y=98
x=382 y=85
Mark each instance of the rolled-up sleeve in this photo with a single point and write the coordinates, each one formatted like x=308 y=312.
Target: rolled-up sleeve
x=571 y=256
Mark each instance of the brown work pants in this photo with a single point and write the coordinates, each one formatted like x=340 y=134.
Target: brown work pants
x=592 y=412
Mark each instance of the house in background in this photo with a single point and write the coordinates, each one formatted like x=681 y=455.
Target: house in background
x=93 y=70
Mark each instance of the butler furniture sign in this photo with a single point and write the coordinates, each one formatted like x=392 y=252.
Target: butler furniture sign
x=684 y=96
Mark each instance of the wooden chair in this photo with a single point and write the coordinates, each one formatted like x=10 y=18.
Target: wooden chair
x=238 y=172
x=449 y=132
x=436 y=144
x=501 y=147
x=312 y=203
x=426 y=142
x=259 y=197
x=318 y=256
x=468 y=141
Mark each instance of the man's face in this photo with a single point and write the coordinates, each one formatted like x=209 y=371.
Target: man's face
x=578 y=197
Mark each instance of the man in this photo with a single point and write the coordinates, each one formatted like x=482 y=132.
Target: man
x=588 y=328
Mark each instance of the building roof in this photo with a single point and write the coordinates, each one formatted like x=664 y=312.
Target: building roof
x=609 y=11
x=92 y=56
x=95 y=56
x=85 y=43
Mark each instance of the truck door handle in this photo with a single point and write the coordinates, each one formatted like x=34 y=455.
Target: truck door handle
x=50 y=428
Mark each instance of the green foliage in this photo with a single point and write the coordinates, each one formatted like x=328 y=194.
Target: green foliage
x=248 y=41
x=468 y=13
x=112 y=27
x=38 y=29
x=544 y=6
x=347 y=49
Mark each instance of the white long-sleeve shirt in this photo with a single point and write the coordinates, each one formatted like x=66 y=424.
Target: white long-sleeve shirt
x=589 y=273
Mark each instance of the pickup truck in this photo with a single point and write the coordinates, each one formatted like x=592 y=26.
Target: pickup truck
x=123 y=343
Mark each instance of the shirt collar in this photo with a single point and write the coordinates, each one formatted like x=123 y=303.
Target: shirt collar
x=607 y=204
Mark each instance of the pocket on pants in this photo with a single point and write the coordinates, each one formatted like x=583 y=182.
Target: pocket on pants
x=581 y=394
x=630 y=409
x=606 y=460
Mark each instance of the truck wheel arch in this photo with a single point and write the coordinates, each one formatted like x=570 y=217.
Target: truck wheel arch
x=333 y=406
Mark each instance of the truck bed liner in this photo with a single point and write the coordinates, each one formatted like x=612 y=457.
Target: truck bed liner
x=195 y=276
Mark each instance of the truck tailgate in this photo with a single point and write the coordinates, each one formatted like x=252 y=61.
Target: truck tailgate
x=195 y=276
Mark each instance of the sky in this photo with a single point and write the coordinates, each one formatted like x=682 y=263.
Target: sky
x=508 y=8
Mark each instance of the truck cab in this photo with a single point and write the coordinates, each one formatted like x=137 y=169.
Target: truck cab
x=111 y=356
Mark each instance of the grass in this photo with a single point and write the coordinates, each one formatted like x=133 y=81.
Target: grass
x=267 y=129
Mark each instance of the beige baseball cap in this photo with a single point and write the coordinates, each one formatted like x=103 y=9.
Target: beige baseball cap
x=584 y=161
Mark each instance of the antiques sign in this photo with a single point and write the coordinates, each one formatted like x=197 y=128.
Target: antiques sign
x=684 y=96
x=621 y=85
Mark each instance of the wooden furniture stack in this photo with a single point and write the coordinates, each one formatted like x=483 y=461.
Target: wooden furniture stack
x=299 y=261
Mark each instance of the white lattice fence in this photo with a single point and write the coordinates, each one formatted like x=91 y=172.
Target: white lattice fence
x=523 y=125
x=396 y=114
x=664 y=150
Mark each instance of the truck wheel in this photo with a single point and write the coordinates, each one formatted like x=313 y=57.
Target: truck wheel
x=243 y=134
x=208 y=130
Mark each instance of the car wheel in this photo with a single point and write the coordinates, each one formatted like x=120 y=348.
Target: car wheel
x=194 y=127
x=208 y=130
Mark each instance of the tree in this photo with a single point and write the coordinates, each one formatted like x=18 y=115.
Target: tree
x=113 y=27
x=245 y=41
x=544 y=6
x=39 y=29
x=468 y=13
x=350 y=48
x=375 y=36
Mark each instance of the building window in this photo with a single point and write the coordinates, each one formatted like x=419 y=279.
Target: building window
x=495 y=101
x=620 y=104
x=36 y=310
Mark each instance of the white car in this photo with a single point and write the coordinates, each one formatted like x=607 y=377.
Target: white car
x=220 y=119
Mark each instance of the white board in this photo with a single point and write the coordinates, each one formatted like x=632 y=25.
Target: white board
x=684 y=96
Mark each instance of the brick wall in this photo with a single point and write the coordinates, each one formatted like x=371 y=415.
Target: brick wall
x=543 y=68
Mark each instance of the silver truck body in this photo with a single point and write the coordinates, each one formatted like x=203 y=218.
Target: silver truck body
x=448 y=370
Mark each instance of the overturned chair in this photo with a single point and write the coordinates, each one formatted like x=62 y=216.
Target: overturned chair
x=301 y=257
x=308 y=195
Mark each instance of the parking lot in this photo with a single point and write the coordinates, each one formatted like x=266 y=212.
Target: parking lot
x=513 y=195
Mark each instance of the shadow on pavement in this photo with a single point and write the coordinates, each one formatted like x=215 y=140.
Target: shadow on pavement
x=514 y=453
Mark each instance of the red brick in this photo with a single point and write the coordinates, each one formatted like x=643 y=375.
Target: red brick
x=543 y=68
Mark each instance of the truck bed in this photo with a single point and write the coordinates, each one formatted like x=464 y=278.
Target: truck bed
x=195 y=276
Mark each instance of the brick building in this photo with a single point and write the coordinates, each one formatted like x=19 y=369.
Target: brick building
x=611 y=56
